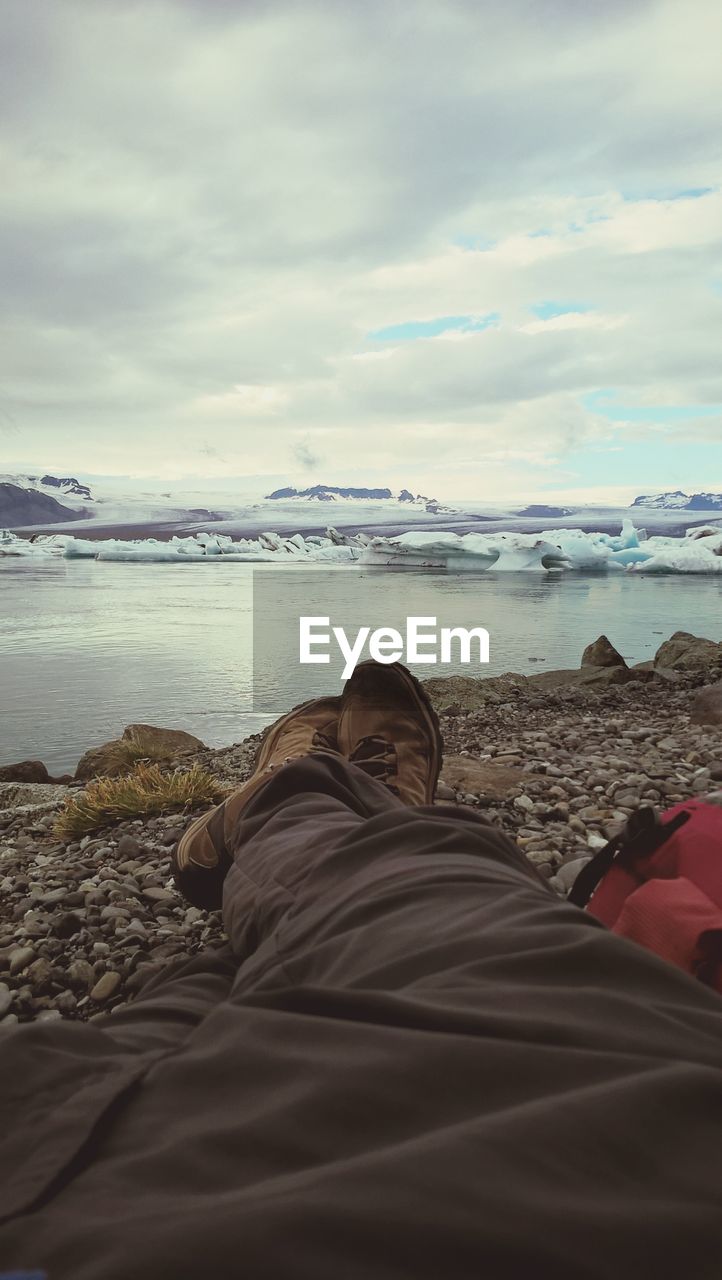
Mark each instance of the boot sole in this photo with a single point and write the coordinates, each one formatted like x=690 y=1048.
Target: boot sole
x=418 y=692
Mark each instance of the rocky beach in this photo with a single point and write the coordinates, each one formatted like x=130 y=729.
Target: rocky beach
x=558 y=760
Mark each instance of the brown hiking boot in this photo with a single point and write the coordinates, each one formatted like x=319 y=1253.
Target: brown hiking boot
x=388 y=728
x=202 y=857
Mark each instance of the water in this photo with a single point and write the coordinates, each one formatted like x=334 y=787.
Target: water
x=87 y=647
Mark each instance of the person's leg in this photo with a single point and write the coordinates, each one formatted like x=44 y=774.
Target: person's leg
x=427 y=1065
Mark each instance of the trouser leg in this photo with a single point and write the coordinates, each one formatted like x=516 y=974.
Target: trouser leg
x=426 y=1065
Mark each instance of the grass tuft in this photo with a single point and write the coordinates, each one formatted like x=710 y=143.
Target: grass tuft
x=120 y=756
x=144 y=791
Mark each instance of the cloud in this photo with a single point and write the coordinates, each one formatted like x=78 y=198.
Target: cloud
x=239 y=228
x=305 y=456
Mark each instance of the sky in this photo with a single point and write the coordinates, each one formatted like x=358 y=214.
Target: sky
x=471 y=248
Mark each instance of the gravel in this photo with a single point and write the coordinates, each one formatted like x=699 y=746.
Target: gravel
x=84 y=925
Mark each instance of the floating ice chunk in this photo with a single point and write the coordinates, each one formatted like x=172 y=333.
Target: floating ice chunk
x=473 y=551
x=712 y=535
x=12 y=545
x=687 y=556
x=84 y=549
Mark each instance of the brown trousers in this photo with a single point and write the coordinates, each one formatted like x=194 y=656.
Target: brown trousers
x=411 y=1061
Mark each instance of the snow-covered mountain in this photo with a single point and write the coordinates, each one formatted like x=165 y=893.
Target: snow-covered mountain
x=46 y=499
x=340 y=493
x=66 y=488
x=679 y=501
x=21 y=507
x=39 y=500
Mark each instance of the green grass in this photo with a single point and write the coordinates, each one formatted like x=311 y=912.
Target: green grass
x=145 y=791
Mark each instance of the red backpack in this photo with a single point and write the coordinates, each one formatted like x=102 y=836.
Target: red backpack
x=659 y=882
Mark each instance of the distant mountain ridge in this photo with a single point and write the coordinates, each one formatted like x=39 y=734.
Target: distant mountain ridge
x=68 y=484
x=679 y=501
x=336 y=493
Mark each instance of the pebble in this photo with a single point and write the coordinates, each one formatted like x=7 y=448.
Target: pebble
x=128 y=847
x=524 y=802
x=106 y=987
x=155 y=894
x=81 y=972
x=6 y=998
x=20 y=959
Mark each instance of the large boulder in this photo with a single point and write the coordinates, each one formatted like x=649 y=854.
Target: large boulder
x=25 y=771
x=586 y=677
x=707 y=705
x=139 y=741
x=601 y=653
x=685 y=652
x=172 y=742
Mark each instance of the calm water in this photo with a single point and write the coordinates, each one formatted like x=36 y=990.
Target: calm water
x=88 y=647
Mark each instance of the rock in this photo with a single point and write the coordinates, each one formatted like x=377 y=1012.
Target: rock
x=39 y=973
x=686 y=652
x=568 y=872
x=481 y=777
x=20 y=958
x=119 y=755
x=129 y=847
x=601 y=653
x=444 y=791
x=171 y=836
x=524 y=803
x=160 y=895
x=6 y=998
x=707 y=705
x=27 y=795
x=66 y=1002
x=24 y=771
x=587 y=677
x=595 y=841
x=67 y=925
x=106 y=987
x=80 y=973
x=171 y=742
x=469 y=692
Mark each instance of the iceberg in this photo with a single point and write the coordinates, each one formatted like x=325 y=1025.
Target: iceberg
x=507 y=552
x=553 y=551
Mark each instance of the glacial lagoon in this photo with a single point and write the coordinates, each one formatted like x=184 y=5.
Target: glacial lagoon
x=89 y=646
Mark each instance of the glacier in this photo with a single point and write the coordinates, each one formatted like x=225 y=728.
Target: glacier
x=552 y=551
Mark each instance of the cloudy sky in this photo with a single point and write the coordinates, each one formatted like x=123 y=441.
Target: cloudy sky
x=469 y=246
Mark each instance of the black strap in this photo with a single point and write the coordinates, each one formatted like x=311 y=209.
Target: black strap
x=642 y=835
x=590 y=875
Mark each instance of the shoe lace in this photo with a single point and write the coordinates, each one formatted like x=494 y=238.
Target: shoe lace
x=377 y=758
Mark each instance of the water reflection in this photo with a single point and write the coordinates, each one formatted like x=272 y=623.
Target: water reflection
x=87 y=647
